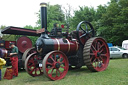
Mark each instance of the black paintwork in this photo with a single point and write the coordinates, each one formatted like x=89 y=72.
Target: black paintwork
x=44 y=17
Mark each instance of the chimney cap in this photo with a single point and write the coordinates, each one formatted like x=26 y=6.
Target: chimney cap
x=43 y=4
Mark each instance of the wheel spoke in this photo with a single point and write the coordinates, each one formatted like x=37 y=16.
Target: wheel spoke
x=104 y=55
x=94 y=48
x=94 y=60
x=101 y=51
x=95 y=44
x=50 y=68
x=86 y=28
x=60 y=58
x=49 y=63
x=101 y=46
x=56 y=73
x=82 y=29
x=98 y=46
x=89 y=31
x=53 y=59
x=83 y=35
x=61 y=62
x=40 y=70
x=52 y=71
x=35 y=71
x=101 y=58
x=29 y=66
x=59 y=71
x=91 y=58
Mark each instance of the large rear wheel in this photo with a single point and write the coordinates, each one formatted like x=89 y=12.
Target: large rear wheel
x=55 y=65
x=96 y=54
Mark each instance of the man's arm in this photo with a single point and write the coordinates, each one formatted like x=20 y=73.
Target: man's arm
x=13 y=53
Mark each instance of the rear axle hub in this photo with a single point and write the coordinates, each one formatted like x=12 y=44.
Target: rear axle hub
x=98 y=54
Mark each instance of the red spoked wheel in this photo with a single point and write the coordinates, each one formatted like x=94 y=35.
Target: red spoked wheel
x=33 y=65
x=55 y=65
x=96 y=54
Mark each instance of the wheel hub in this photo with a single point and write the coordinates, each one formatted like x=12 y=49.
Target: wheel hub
x=98 y=54
x=57 y=65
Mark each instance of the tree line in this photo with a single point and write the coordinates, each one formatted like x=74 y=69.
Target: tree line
x=110 y=21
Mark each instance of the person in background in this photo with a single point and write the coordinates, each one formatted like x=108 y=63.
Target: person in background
x=2 y=62
x=14 y=58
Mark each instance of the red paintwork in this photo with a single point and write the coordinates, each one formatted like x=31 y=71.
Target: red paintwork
x=23 y=43
x=14 y=61
x=99 y=46
x=83 y=39
x=7 y=44
x=58 y=67
x=68 y=47
x=62 y=26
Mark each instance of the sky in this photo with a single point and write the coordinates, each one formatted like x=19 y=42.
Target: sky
x=20 y=13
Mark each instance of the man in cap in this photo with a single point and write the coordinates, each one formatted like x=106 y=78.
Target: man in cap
x=14 y=58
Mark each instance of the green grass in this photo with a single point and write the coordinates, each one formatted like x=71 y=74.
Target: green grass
x=115 y=74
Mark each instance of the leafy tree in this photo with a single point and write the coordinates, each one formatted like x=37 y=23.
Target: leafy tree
x=85 y=13
x=115 y=22
x=100 y=11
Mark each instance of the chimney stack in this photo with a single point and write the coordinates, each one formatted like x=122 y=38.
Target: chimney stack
x=43 y=15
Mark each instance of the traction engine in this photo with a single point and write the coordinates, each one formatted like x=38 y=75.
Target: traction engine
x=56 y=52
x=23 y=43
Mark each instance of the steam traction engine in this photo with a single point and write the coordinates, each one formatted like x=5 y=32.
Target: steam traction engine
x=57 y=51
x=24 y=45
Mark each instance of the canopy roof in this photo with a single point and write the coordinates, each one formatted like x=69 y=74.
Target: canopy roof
x=19 y=31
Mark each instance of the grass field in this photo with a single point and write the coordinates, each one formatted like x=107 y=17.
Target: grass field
x=115 y=74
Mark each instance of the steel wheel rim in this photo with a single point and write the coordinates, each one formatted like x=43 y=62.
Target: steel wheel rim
x=55 y=68
x=98 y=56
x=31 y=65
x=27 y=53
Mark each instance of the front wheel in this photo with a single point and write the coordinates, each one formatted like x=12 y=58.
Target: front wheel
x=55 y=65
x=33 y=66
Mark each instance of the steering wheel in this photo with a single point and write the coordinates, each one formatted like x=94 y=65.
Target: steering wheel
x=84 y=31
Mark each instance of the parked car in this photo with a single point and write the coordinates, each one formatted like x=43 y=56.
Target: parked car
x=118 y=52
